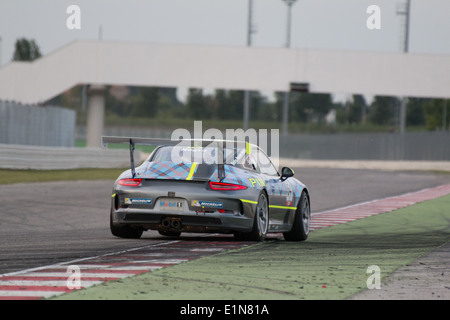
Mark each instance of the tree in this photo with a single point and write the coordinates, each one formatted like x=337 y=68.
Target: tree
x=416 y=111
x=435 y=111
x=307 y=105
x=229 y=104
x=357 y=109
x=196 y=104
x=222 y=101
x=257 y=104
x=26 y=50
x=236 y=104
x=382 y=110
x=118 y=106
x=146 y=102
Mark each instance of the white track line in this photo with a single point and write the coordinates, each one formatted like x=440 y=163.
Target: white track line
x=76 y=261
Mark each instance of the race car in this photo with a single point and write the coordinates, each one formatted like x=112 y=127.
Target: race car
x=207 y=186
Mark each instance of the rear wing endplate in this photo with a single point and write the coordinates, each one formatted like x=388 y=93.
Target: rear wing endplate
x=132 y=142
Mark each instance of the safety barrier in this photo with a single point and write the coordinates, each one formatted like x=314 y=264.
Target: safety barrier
x=48 y=158
x=36 y=125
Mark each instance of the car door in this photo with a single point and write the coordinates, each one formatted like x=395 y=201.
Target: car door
x=280 y=193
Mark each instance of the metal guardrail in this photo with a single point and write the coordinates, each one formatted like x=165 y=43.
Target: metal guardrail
x=410 y=146
x=418 y=146
x=51 y=158
x=36 y=125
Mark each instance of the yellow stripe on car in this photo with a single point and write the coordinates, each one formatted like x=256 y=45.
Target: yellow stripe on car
x=192 y=171
x=249 y=201
x=270 y=206
x=282 y=207
x=248 y=148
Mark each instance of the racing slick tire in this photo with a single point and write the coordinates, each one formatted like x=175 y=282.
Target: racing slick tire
x=260 y=223
x=124 y=231
x=302 y=219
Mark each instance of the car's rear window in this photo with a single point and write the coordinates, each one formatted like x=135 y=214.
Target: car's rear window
x=194 y=154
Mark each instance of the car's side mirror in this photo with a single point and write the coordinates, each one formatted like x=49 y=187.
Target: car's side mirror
x=286 y=173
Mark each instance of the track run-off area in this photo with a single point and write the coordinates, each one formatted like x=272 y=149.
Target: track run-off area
x=61 y=278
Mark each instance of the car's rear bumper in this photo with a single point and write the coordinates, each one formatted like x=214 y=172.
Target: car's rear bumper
x=168 y=221
x=183 y=206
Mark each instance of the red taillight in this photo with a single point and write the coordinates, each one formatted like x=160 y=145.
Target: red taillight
x=130 y=182
x=225 y=186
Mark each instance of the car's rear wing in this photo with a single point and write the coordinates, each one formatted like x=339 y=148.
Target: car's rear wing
x=132 y=141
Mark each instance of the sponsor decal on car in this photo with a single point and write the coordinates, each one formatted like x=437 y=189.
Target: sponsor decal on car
x=290 y=196
x=137 y=201
x=170 y=205
x=208 y=204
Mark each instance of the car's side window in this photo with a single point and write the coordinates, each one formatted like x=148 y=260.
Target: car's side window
x=265 y=164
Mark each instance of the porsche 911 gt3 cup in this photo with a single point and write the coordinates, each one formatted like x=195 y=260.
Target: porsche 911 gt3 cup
x=207 y=186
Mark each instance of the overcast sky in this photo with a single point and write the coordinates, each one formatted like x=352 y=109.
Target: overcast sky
x=327 y=24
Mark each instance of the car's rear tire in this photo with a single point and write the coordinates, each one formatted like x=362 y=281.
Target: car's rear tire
x=302 y=220
x=124 y=231
x=260 y=222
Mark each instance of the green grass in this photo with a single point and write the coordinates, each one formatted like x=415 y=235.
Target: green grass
x=295 y=127
x=20 y=176
x=331 y=264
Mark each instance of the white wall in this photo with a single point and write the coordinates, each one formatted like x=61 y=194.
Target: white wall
x=171 y=65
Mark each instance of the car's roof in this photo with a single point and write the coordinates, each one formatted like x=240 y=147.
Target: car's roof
x=243 y=143
x=168 y=142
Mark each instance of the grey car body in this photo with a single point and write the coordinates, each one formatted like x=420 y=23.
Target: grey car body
x=244 y=195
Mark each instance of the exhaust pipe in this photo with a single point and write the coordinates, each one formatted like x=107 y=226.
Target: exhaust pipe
x=176 y=224
x=171 y=223
x=166 y=223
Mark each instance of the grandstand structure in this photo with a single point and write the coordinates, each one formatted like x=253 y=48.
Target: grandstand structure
x=101 y=63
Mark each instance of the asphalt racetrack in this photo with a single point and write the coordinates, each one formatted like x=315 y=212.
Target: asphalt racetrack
x=46 y=223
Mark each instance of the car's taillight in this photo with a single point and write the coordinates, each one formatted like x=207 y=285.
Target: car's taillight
x=130 y=182
x=225 y=186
